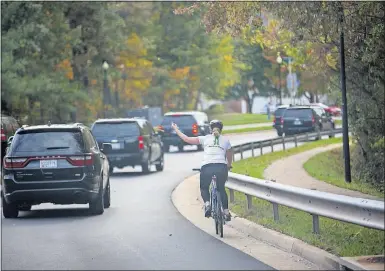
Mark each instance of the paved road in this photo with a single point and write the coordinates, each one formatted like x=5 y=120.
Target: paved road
x=141 y=230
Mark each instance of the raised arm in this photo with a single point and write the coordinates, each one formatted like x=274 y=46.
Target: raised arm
x=187 y=139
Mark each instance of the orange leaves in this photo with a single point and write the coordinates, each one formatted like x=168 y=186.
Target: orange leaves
x=180 y=73
x=66 y=67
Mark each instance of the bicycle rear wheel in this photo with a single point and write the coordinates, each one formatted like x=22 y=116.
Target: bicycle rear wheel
x=214 y=213
x=220 y=218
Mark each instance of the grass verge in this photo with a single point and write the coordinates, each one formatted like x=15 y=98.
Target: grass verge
x=338 y=122
x=247 y=130
x=239 y=119
x=339 y=238
x=329 y=167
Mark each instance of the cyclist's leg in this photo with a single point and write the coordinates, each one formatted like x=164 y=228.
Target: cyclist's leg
x=222 y=176
x=205 y=180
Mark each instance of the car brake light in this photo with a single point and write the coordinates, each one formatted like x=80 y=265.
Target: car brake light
x=313 y=119
x=3 y=136
x=282 y=121
x=195 y=129
x=81 y=160
x=274 y=120
x=141 y=142
x=15 y=162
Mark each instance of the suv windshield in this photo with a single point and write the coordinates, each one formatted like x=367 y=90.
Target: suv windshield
x=116 y=129
x=299 y=113
x=43 y=141
x=179 y=120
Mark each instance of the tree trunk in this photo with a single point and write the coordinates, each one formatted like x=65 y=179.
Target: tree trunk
x=197 y=99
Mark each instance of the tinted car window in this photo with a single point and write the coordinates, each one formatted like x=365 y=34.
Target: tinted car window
x=115 y=129
x=90 y=140
x=43 y=141
x=179 y=120
x=299 y=113
x=279 y=112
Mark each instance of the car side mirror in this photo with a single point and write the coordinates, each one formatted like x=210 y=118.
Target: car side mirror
x=106 y=148
x=10 y=140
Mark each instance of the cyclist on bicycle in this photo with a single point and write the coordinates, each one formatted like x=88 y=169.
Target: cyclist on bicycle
x=217 y=160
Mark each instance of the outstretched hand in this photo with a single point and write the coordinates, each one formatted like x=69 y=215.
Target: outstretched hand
x=174 y=126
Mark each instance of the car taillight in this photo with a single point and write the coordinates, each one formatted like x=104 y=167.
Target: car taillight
x=15 y=162
x=313 y=119
x=141 y=142
x=195 y=129
x=274 y=120
x=3 y=136
x=282 y=121
x=81 y=160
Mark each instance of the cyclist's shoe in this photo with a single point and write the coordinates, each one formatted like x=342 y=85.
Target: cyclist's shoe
x=207 y=209
x=227 y=215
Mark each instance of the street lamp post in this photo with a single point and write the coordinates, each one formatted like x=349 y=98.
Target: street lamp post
x=105 y=67
x=279 y=61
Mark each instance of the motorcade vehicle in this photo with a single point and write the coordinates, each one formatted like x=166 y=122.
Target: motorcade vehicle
x=302 y=119
x=134 y=142
x=58 y=163
x=192 y=123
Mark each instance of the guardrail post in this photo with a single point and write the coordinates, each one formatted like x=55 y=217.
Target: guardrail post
x=233 y=156
x=319 y=134
x=283 y=143
x=260 y=146
x=249 y=202
x=275 y=211
x=315 y=224
x=252 y=149
x=332 y=133
x=307 y=137
x=295 y=140
x=241 y=151
x=272 y=145
x=231 y=195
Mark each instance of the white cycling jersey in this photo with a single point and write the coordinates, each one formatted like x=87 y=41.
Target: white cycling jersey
x=214 y=150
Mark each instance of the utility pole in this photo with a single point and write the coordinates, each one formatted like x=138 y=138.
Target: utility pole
x=345 y=130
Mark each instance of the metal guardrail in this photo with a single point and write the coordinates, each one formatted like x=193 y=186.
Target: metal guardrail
x=363 y=212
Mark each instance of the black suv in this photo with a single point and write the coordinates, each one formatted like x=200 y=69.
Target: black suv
x=192 y=123
x=302 y=119
x=133 y=140
x=9 y=125
x=277 y=122
x=58 y=163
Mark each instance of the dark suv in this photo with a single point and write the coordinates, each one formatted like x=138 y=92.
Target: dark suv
x=133 y=140
x=193 y=123
x=60 y=164
x=9 y=125
x=302 y=119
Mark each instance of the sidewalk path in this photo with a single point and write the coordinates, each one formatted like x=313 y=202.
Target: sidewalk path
x=290 y=171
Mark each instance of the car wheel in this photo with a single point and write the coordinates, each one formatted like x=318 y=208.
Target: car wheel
x=160 y=166
x=333 y=135
x=318 y=129
x=146 y=167
x=166 y=148
x=111 y=170
x=200 y=148
x=279 y=133
x=180 y=148
x=9 y=210
x=96 y=206
x=107 y=195
x=25 y=208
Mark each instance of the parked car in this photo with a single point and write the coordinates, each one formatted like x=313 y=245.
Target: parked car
x=193 y=123
x=9 y=125
x=134 y=143
x=302 y=119
x=332 y=110
x=278 y=113
x=60 y=164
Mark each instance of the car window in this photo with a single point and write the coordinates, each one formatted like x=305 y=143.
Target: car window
x=185 y=120
x=52 y=141
x=115 y=129
x=299 y=113
x=90 y=140
x=319 y=111
x=279 y=112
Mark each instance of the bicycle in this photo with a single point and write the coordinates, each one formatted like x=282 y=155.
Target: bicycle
x=216 y=205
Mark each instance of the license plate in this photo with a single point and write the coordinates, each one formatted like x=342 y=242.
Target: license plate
x=48 y=163
x=115 y=146
x=297 y=122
